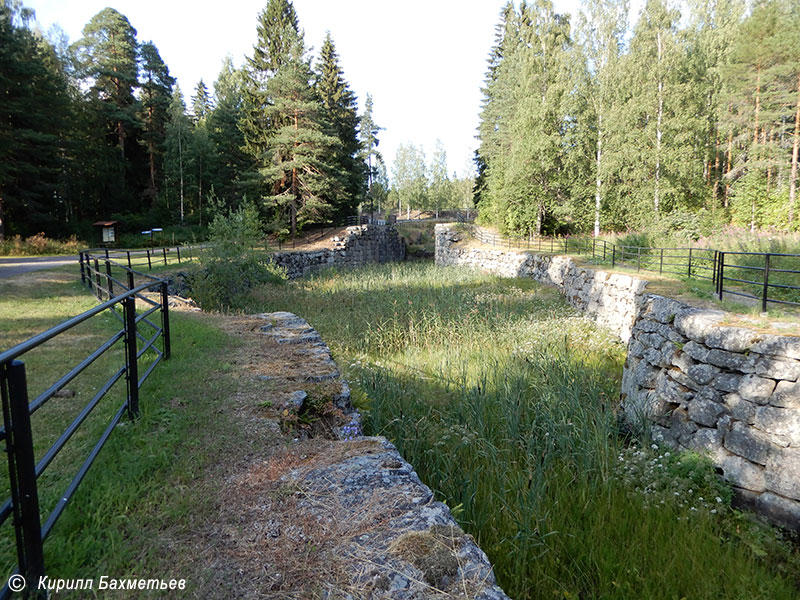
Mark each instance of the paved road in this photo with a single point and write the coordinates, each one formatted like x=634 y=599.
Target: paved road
x=17 y=266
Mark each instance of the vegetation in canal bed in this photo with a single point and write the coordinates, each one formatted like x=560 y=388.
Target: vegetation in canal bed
x=504 y=400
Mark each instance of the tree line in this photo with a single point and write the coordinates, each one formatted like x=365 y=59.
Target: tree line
x=687 y=120
x=99 y=129
x=419 y=185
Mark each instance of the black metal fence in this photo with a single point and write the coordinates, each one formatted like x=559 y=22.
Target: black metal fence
x=766 y=277
x=137 y=257
x=24 y=470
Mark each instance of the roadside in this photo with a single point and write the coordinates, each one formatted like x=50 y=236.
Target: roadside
x=26 y=264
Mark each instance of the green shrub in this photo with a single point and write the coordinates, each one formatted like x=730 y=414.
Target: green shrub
x=39 y=244
x=222 y=283
x=230 y=266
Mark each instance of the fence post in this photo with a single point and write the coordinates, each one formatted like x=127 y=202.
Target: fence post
x=604 y=250
x=22 y=465
x=83 y=273
x=165 y=256
x=178 y=250
x=689 y=273
x=131 y=360
x=97 y=286
x=106 y=253
x=613 y=255
x=108 y=280
x=766 y=284
x=661 y=263
x=131 y=281
x=149 y=264
x=638 y=259
x=165 y=319
x=714 y=270
x=721 y=278
x=128 y=252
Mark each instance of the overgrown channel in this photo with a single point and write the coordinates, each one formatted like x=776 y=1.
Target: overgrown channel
x=504 y=400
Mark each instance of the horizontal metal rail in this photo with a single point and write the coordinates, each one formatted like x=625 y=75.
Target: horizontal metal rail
x=16 y=430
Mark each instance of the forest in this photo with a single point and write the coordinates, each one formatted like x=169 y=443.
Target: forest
x=688 y=120
x=99 y=129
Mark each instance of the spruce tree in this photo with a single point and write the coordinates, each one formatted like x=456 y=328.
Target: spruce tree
x=34 y=109
x=201 y=102
x=229 y=162
x=277 y=26
x=339 y=104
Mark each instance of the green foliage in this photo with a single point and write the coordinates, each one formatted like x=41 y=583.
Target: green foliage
x=231 y=266
x=504 y=400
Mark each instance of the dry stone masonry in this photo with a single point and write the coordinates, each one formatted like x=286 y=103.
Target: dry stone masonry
x=610 y=299
x=406 y=545
x=730 y=392
x=360 y=245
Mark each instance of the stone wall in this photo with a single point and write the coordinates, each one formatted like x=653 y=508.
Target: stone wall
x=610 y=299
x=731 y=392
x=360 y=245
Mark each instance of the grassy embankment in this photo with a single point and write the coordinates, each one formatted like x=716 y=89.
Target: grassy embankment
x=141 y=493
x=503 y=399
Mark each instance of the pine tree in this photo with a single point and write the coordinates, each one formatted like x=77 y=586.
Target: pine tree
x=107 y=56
x=297 y=160
x=155 y=100
x=339 y=104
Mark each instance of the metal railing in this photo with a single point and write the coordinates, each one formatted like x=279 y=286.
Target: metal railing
x=773 y=281
x=24 y=470
x=153 y=256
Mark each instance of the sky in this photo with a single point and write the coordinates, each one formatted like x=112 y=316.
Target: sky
x=423 y=61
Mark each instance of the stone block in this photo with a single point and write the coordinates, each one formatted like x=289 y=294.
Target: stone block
x=727 y=382
x=743 y=473
x=778 y=368
x=709 y=442
x=695 y=323
x=661 y=309
x=749 y=443
x=672 y=391
x=780 y=510
x=635 y=348
x=644 y=374
x=732 y=339
x=731 y=360
x=778 y=345
x=739 y=408
x=783 y=422
x=782 y=473
x=786 y=395
x=704 y=410
x=684 y=379
x=651 y=340
x=702 y=373
x=756 y=389
x=697 y=351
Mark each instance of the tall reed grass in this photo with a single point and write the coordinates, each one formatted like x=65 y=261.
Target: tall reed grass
x=505 y=401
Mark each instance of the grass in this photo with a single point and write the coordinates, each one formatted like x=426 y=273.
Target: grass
x=504 y=400
x=142 y=491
